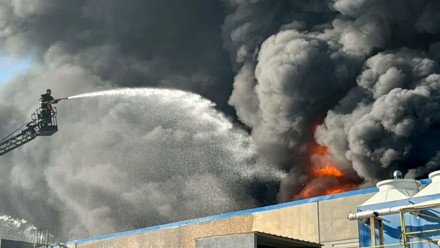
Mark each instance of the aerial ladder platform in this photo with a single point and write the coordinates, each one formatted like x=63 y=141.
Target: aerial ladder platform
x=43 y=123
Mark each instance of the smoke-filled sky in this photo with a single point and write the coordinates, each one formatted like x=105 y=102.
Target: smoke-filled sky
x=262 y=81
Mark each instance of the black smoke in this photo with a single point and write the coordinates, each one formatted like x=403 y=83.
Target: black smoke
x=365 y=71
x=339 y=64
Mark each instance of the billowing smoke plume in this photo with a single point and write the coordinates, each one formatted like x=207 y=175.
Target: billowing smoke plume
x=353 y=84
x=129 y=159
x=124 y=162
x=135 y=43
x=377 y=113
x=388 y=120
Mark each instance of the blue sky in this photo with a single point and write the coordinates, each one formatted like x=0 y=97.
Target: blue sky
x=10 y=67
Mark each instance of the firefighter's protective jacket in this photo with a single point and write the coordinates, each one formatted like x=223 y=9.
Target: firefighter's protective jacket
x=44 y=99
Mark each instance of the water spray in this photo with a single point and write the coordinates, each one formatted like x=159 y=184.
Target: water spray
x=171 y=140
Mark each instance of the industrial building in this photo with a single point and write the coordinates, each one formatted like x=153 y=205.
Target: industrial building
x=303 y=223
x=398 y=213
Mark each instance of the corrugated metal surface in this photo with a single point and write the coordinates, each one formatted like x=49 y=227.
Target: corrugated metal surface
x=305 y=243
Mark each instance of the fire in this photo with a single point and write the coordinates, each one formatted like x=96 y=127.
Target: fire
x=319 y=150
x=334 y=191
x=320 y=163
x=310 y=192
x=321 y=189
x=339 y=189
x=325 y=178
x=328 y=170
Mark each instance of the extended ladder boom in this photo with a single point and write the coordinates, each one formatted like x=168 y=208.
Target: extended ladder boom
x=39 y=126
x=19 y=138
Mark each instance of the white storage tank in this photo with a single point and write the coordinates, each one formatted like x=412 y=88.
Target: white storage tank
x=434 y=187
x=393 y=190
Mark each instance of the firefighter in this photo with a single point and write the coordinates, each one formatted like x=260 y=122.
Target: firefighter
x=46 y=101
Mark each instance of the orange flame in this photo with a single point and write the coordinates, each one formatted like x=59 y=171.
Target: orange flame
x=328 y=170
x=321 y=166
x=310 y=192
x=339 y=189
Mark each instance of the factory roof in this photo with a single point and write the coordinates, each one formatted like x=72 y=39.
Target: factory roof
x=233 y=214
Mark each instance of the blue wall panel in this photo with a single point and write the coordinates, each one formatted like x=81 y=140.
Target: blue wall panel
x=392 y=226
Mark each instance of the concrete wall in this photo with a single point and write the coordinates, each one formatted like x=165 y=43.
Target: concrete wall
x=230 y=241
x=347 y=243
x=333 y=222
x=234 y=225
x=161 y=238
x=182 y=236
x=322 y=221
x=298 y=222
